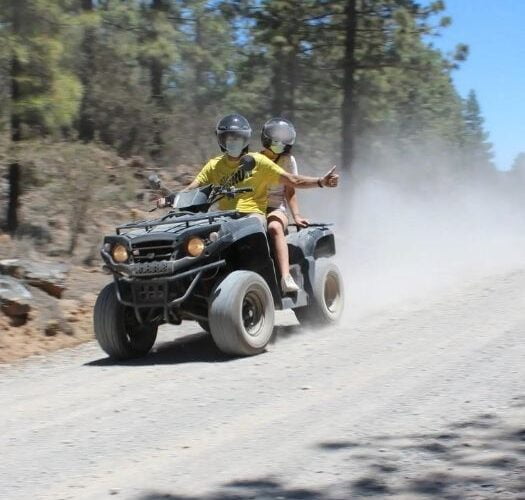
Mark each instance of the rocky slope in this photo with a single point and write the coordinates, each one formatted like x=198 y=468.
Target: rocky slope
x=50 y=270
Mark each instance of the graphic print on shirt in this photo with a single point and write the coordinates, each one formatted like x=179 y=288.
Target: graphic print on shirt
x=234 y=179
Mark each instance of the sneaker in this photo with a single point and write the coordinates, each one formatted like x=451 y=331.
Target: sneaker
x=288 y=284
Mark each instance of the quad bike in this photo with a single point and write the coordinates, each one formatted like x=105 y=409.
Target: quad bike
x=215 y=268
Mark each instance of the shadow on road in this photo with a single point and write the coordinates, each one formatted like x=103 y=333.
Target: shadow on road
x=260 y=489
x=194 y=348
x=482 y=458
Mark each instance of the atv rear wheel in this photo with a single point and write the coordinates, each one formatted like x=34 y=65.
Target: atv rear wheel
x=326 y=301
x=117 y=330
x=241 y=314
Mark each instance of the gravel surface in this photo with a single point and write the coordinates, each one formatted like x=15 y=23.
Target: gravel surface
x=424 y=400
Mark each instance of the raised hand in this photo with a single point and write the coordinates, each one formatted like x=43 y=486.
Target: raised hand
x=330 y=179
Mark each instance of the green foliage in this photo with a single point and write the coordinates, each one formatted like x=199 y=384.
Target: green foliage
x=35 y=54
x=152 y=77
x=475 y=143
x=203 y=81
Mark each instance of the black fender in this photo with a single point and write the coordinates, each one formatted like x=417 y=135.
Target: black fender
x=308 y=245
x=312 y=242
x=249 y=250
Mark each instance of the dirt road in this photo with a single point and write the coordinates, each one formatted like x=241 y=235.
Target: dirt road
x=422 y=401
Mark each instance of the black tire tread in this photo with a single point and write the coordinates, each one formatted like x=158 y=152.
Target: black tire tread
x=110 y=332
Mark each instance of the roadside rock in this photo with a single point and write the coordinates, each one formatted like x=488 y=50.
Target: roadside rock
x=50 y=277
x=15 y=298
x=53 y=327
x=49 y=316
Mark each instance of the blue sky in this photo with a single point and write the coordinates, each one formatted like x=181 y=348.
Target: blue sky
x=494 y=30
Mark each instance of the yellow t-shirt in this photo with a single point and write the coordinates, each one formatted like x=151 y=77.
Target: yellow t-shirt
x=265 y=174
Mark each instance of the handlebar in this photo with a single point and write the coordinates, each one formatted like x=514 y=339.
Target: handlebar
x=216 y=193
x=230 y=192
x=238 y=190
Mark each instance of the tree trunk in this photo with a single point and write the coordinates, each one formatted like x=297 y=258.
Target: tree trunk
x=16 y=135
x=199 y=86
x=77 y=224
x=160 y=5
x=349 y=64
x=278 y=84
x=292 y=84
x=14 y=194
x=86 y=125
x=157 y=92
x=156 y=75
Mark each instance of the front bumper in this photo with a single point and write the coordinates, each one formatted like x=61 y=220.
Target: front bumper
x=158 y=284
x=165 y=293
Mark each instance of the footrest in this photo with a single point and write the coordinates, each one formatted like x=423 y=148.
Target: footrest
x=293 y=300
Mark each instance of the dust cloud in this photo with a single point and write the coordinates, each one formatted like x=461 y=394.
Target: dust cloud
x=397 y=244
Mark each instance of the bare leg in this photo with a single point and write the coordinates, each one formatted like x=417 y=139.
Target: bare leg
x=277 y=223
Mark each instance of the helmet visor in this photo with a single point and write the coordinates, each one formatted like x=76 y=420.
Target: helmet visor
x=281 y=132
x=238 y=136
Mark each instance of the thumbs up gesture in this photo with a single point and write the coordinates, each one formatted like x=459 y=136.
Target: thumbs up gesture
x=330 y=179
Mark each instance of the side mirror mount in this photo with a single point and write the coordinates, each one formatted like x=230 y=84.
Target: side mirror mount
x=247 y=163
x=154 y=181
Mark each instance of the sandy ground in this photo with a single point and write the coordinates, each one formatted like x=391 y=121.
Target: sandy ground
x=422 y=400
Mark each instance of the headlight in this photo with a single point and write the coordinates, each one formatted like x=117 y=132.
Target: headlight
x=195 y=246
x=120 y=253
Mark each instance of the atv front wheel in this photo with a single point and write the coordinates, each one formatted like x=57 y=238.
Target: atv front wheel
x=117 y=330
x=241 y=314
x=326 y=301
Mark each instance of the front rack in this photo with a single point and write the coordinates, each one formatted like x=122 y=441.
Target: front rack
x=176 y=218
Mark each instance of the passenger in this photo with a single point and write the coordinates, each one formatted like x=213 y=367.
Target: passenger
x=233 y=135
x=277 y=137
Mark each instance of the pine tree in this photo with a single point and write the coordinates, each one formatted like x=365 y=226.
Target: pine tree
x=203 y=80
x=158 y=50
x=44 y=93
x=87 y=70
x=476 y=148
x=119 y=106
x=518 y=167
x=518 y=164
x=359 y=78
x=363 y=59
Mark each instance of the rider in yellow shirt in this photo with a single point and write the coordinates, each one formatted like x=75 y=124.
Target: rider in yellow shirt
x=265 y=173
x=233 y=135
